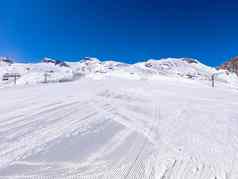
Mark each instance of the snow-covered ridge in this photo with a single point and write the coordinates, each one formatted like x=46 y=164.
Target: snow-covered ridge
x=51 y=70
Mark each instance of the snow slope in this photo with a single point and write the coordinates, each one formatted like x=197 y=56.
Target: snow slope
x=160 y=128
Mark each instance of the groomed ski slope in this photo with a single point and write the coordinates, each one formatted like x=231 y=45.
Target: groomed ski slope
x=114 y=128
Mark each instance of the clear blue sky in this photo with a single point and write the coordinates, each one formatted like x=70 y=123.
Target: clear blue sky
x=126 y=30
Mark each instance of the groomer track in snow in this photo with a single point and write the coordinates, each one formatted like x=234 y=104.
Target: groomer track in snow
x=165 y=128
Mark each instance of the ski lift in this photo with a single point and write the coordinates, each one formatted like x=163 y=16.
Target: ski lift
x=11 y=76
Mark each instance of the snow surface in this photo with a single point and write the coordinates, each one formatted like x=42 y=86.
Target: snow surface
x=120 y=121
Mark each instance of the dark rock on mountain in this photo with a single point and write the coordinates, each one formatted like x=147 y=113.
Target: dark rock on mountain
x=231 y=65
x=55 y=62
x=6 y=60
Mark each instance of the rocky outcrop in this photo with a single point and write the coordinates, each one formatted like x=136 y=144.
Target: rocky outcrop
x=6 y=60
x=231 y=65
x=55 y=62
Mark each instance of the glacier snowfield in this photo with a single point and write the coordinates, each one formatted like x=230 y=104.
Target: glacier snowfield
x=119 y=128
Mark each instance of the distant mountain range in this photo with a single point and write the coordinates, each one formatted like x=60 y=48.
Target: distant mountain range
x=58 y=70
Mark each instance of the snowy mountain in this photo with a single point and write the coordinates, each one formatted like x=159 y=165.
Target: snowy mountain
x=231 y=65
x=5 y=61
x=55 y=62
x=58 y=71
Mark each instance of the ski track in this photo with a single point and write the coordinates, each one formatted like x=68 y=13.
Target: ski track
x=137 y=147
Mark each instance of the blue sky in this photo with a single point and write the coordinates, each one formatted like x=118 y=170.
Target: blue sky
x=126 y=30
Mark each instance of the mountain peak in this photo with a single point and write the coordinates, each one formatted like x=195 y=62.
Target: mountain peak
x=6 y=60
x=231 y=65
x=55 y=62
